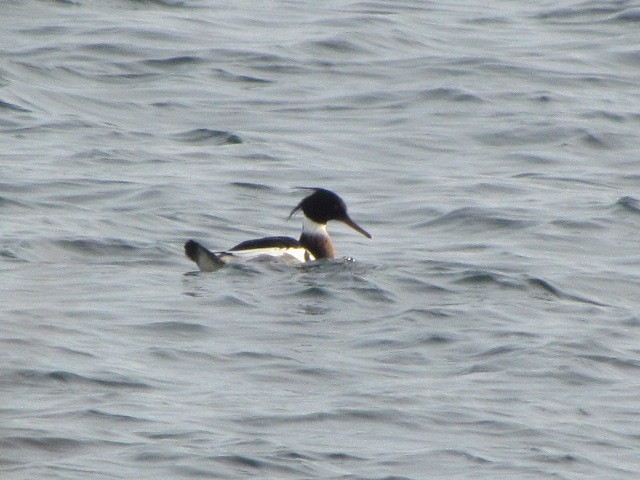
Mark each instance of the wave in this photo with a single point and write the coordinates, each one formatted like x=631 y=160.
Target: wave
x=44 y=378
x=175 y=327
x=629 y=204
x=557 y=292
x=12 y=107
x=206 y=135
x=475 y=217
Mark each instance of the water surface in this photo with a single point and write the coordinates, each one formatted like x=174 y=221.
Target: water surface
x=489 y=329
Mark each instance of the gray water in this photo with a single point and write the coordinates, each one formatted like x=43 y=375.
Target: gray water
x=490 y=329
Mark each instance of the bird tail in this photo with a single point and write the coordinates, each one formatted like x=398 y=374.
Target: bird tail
x=206 y=260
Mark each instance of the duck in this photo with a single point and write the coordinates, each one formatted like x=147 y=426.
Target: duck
x=318 y=209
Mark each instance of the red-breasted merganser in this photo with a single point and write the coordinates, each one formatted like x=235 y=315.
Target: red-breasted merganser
x=318 y=208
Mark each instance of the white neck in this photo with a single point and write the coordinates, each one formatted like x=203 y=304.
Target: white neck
x=312 y=228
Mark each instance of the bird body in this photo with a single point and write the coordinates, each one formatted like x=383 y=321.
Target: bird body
x=315 y=243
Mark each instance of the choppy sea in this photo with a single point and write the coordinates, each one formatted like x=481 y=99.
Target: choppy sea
x=489 y=329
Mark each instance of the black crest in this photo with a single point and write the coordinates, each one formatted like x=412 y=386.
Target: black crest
x=321 y=206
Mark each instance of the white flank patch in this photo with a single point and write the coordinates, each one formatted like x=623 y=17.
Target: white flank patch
x=288 y=254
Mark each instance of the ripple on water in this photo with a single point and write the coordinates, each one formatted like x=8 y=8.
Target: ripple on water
x=582 y=13
x=410 y=343
x=208 y=136
x=578 y=225
x=172 y=62
x=628 y=15
x=44 y=443
x=374 y=293
x=418 y=285
x=530 y=135
x=548 y=287
x=450 y=95
x=97 y=248
x=629 y=204
x=385 y=416
x=614 y=360
x=271 y=465
x=426 y=313
x=243 y=79
x=315 y=291
x=40 y=377
x=253 y=186
x=108 y=417
x=176 y=328
x=336 y=45
x=473 y=218
x=12 y=107
x=488 y=277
